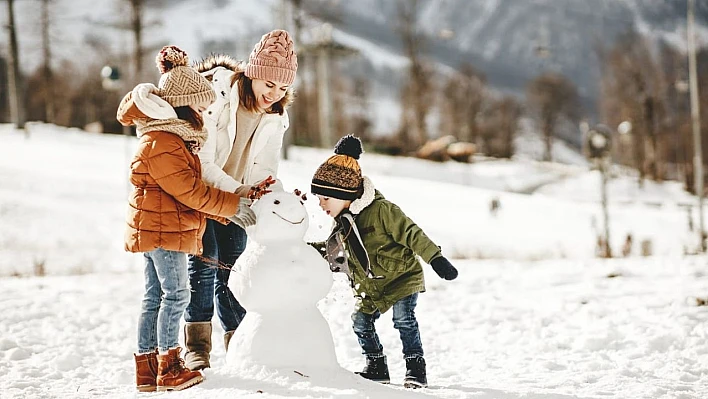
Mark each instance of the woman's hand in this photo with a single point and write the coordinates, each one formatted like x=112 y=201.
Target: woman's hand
x=261 y=188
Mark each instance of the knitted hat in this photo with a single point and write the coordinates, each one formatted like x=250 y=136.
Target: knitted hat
x=340 y=176
x=273 y=58
x=181 y=85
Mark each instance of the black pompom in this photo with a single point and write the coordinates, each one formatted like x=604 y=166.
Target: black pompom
x=349 y=145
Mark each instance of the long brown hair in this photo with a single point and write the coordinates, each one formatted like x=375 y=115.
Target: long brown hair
x=248 y=98
x=186 y=113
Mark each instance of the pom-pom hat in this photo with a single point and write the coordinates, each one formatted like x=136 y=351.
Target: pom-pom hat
x=181 y=85
x=340 y=176
x=273 y=58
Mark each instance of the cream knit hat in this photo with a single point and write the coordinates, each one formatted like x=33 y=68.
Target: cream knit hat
x=181 y=85
x=273 y=58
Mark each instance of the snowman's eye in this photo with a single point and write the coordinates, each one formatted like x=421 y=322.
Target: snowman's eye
x=276 y=202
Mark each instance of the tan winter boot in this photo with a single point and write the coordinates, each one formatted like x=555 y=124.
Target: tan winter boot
x=146 y=372
x=171 y=373
x=197 y=339
x=227 y=339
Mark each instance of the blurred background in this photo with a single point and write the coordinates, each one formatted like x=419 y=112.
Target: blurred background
x=397 y=73
x=615 y=86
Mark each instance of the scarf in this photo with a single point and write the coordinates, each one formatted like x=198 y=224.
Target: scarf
x=160 y=116
x=194 y=139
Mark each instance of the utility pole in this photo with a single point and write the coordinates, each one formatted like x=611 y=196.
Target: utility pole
x=599 y=142
x=696 y=122
x=17 y=102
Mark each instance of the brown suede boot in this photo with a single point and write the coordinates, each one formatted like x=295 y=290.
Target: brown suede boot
x=171 y=373
x=227 y=339
x=146 y=372
x=197 y=339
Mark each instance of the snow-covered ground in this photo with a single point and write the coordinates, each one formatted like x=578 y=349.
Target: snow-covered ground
x=533 y=314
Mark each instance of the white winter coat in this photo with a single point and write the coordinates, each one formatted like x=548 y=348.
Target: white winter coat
x=264 y=156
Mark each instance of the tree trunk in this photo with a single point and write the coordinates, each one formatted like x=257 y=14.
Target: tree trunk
x=47 y=67
x=548 y=138
x=137 y=27
x=17 y=98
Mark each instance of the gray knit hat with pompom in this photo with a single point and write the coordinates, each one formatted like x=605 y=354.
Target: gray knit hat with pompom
x=181 y=85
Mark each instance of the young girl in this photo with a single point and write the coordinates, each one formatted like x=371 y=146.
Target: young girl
x=376 y=244
x=167 y=208
x=246 y=125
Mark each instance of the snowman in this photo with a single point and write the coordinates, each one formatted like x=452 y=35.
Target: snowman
x=279 y=280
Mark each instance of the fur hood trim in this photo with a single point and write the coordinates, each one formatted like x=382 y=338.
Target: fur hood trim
x=366 y=198
x=219 y=60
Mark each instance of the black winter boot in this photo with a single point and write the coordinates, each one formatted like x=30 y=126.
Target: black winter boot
x=415 y=373
x=375 y=370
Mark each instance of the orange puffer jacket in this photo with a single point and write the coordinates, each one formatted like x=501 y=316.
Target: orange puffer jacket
x=169 y=201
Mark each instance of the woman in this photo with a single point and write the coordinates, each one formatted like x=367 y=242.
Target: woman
x=246 y=125
x=167 y=209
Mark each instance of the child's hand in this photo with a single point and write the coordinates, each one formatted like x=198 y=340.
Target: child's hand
x=444 y=268
x=244 y=216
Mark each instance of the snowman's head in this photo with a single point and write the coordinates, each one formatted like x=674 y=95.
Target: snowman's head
x=280 y=216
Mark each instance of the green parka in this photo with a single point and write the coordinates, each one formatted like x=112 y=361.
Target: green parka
x=392 y=241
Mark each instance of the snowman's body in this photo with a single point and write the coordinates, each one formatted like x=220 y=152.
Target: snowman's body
x=279 y=283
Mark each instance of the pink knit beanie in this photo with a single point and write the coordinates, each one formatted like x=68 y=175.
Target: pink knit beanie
x=273 y=58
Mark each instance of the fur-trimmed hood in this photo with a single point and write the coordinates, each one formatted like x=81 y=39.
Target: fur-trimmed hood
x=219 y=60
x=366 y=198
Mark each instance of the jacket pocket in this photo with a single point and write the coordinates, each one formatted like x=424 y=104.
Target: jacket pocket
x=390 y=263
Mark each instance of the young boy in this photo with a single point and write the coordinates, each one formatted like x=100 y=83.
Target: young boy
x=376 y=244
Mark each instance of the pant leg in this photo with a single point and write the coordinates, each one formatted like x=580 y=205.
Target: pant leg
x=363 y=325
x=405 y=322
x=231 y=241
x=171 y=269
x=202 y=273
x=147 y=322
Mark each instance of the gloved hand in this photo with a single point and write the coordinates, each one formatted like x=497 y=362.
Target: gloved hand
x=260 y=189
x=245 y=216
x=444 y=268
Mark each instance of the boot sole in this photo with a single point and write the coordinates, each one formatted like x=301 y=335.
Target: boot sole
x=197 y=366
x=380 y=381
x=147 y=388
x=414 y=385
x=184 y=385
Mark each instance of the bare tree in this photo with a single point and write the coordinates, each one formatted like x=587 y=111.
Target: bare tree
x=463 y=97
x=4 y=90
x=136 y=24
x=361 y=120
x=47 y=73
x=17 y=108
x=499 y=127
x=416 y=91
x=552 y=97
x=634 y=87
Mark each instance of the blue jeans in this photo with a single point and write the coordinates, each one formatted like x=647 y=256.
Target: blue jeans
x=166 y=297
x=209 y=276
x=403 y=320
